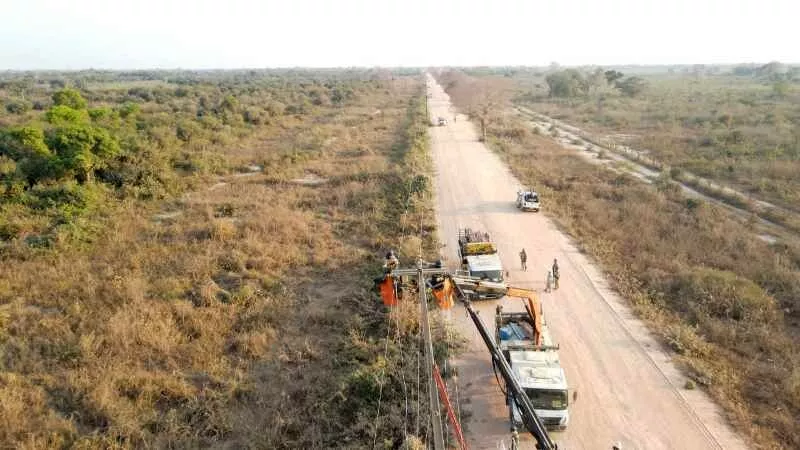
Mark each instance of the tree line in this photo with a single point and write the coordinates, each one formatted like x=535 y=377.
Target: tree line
x=569 y=83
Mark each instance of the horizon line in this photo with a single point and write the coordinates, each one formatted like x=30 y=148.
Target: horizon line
x=400 y=66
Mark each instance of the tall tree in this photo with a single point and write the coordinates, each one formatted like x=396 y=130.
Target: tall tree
x=567 y=83
x=483 y=98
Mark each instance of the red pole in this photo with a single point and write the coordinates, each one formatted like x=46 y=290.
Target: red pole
x=450 y=413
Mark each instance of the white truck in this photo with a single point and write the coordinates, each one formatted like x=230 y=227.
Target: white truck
x=528 y=200
x=525 y=342
x=479 y=258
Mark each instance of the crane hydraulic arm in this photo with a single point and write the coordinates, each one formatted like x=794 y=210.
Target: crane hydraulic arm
x=534 y=308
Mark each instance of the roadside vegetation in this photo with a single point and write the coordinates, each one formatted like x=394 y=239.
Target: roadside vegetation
x=737 y=125
x=188 y=259
x=724 y=301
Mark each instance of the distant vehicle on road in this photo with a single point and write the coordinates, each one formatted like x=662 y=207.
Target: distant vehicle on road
x=528 y=200
x=442 y=121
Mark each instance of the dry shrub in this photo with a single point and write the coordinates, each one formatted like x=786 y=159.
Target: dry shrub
x=24 y=406
x=222 y=230
x=410 y=246
x=254 y=344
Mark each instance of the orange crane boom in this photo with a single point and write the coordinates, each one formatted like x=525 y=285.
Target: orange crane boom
x=534 y=308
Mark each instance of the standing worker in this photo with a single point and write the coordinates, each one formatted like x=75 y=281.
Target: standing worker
x=548 y=281
x=523 y=259
x=391 y=262
x=555 y=272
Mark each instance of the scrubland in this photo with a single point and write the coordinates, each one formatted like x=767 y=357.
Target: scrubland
x=187 y=259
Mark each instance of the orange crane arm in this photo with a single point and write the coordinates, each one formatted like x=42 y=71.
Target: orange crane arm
x=534 y=308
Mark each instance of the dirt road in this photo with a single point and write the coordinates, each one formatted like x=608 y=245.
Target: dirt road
x=628 y=391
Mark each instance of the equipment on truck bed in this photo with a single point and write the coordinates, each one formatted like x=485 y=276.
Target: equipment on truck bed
x=514 y=390
x=525 y=342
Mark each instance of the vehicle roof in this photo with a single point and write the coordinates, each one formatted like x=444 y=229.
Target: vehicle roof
x=538 y=369
x=484 y=262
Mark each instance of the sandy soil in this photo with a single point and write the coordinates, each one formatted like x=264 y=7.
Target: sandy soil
x=628 y=390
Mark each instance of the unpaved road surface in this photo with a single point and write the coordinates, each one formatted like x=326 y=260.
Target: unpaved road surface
x=628 y=390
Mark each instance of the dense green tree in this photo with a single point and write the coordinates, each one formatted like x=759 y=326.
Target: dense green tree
x=81 y=149
x=19 y=143
x=27 y=147
x=69 y=97
x=63 y=115
x=129 y=109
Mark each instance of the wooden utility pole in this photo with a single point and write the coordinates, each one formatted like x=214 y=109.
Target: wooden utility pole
x=435 y=409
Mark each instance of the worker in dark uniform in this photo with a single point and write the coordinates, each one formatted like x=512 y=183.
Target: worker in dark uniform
x=523 y=259
x=391 y=262
x=555 y=273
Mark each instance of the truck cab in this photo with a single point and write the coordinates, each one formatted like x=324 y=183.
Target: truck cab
x=485 y=267
x=544 y=381
x=479 y=259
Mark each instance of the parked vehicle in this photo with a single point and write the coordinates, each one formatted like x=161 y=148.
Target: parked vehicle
x=528 y=200
x=479 y=258
x=525 y=341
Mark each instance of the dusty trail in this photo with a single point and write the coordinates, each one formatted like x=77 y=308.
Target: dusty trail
x=628 y=389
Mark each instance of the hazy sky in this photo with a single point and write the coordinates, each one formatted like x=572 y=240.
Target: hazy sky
x=76 y=34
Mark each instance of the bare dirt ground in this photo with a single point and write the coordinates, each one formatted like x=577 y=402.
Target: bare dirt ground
x=628 y=389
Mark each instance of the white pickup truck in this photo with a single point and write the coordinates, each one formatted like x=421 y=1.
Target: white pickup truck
x=528 y=200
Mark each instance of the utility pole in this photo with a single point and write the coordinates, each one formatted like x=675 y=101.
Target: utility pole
x=436 y=418
x=435 y=409
x=427 y=114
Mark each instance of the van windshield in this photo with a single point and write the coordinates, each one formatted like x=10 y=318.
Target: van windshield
x=492 y=275
x=548 y=398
